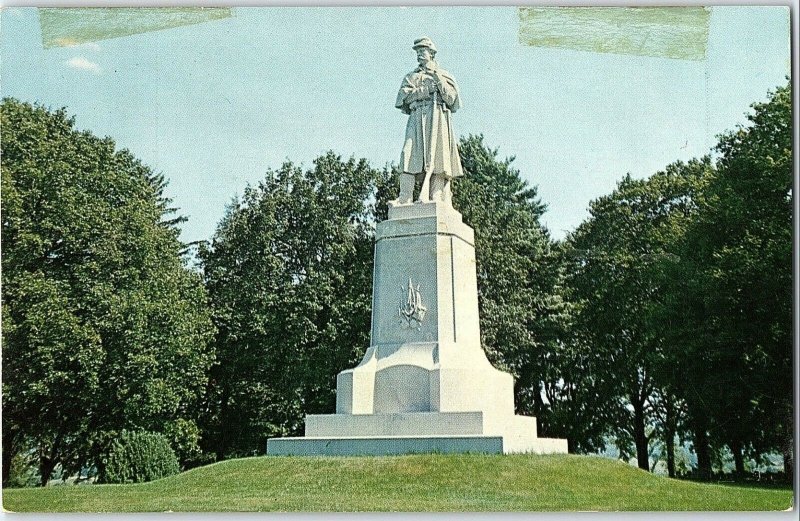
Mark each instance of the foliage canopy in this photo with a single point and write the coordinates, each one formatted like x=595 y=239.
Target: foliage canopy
x=104 y=327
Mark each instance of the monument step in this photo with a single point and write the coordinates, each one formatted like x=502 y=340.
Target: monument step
x=463 y=423
x=395 y=424
x=397 y=445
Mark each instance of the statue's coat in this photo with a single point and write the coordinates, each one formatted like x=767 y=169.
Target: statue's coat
x=430 y=146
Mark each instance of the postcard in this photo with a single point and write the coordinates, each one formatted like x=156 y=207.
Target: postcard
x=428 y=258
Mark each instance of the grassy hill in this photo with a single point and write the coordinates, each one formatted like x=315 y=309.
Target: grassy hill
x=404 y=483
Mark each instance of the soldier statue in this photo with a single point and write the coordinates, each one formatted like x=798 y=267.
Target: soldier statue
x=429 y=95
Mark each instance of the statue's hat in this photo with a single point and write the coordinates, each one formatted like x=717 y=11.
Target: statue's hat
x=424 y=42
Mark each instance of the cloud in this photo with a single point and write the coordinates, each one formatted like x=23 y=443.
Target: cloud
x=81 y=63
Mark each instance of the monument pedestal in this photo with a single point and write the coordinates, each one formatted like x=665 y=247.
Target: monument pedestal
x=425 y=384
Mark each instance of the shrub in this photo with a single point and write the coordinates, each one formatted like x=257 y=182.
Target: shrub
x=23 y=471
x=139 y=456
x=184 y=437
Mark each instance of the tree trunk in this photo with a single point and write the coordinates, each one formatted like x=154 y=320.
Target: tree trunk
x=703 y=450
x=669 y=437
x=223 y=436
x=642 y=454
x=738 y=459
x=49 y=459
x=539 y=413
x=671 y=456
x=788 y=443
x=8 y=454
x=788 y=466
x=46 y=467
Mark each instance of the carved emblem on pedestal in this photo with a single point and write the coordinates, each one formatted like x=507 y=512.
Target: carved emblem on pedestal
x=412 y=311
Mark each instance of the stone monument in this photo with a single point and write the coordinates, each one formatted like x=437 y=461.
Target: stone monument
x=425 y=384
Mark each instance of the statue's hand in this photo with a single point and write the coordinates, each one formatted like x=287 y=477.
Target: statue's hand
x=439 y=81
x=428 y=88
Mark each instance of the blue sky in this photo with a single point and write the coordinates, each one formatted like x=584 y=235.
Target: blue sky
x=214 y=105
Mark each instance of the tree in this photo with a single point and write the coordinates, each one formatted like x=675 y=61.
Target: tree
x=290 y=279
x=104 y=327
x=523 y=317
x=580 y=408
x=731 y=306
x=615 y=280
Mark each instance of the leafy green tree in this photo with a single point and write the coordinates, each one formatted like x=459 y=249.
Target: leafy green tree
x=290 y=279
x=615 y=280
x=104 y=328
x=731 y=308
x=580 y=408
x=523 y=316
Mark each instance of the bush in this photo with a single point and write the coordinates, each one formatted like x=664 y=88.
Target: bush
x=23 y=471
x=184 y=437
x=139 y=456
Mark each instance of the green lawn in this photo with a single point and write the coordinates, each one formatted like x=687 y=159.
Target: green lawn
x=404 y=483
